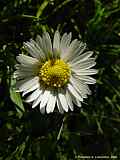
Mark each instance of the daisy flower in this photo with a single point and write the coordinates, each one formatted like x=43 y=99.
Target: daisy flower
x=55 y=74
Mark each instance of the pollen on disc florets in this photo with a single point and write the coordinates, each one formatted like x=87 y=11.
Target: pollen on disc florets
x=54 y=73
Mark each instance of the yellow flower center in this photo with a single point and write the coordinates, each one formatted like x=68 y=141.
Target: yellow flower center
x=54 y=73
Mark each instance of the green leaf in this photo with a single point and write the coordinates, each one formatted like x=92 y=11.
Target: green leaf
x=41 y=8
x=16 y=98
x=99 y=127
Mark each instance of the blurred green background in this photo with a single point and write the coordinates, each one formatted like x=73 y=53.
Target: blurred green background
x=94 y=129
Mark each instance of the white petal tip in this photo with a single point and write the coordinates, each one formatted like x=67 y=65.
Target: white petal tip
x=33 y=106
x=18 y=91
x=42 y=110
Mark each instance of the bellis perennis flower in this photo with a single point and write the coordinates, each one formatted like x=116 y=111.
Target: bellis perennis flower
x=55 y=74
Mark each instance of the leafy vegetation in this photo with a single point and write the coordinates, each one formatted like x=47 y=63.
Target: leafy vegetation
x=94 y=129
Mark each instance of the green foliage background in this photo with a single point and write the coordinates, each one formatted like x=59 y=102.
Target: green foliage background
x=94 y=129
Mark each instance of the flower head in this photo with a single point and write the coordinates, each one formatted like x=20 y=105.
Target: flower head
x=57 y=73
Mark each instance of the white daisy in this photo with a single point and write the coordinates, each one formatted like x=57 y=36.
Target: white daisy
x=55 y=75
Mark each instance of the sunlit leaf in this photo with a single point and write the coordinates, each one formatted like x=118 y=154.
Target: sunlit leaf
x=16 y=98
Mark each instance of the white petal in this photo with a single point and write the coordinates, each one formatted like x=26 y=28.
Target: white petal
x=27 y=60
x=75 y=49
x=30 y=47
x=76 y=102
x=81 y=87
x=85 y=64
x=23 y=74
x=27 y=83
x=51 y=103
x=65 y=40
x=82 y=48
x=27 y=67
x=64 y=53
x=41 y=53
x=34 y=87
x=56 y=41
x=69 y=100
x=88 y=90
x=70 y=50
x=85 y=72
x=44 y=99
x=81 y=57
x=47 y=45
x=22 y=67
x=62 y=99
x=34 y=95
x=87 y=79
x=74 y=45
x=59 y=106
x=21 y=82
x=73 y=91
x=39 y=41
x=48 y=42
x=69 y=37
x=42 y=110
x=37 y=101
